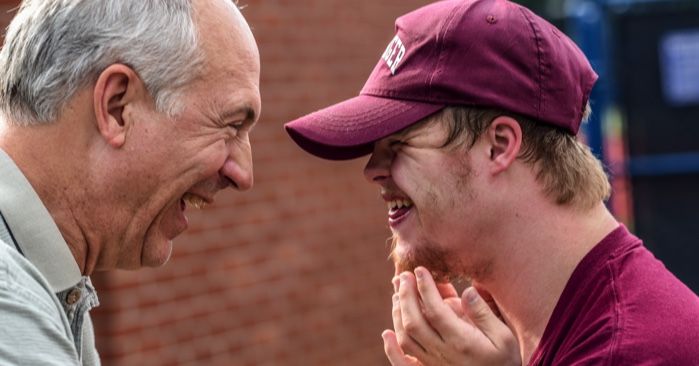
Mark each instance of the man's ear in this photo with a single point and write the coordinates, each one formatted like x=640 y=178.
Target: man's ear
x=505 y=140
x=116 y=87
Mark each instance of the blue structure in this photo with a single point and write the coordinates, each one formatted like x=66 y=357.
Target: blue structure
x=588 y=23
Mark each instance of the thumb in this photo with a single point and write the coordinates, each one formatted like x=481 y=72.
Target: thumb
x=485 y=319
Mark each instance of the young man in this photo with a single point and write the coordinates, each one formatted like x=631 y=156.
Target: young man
x=470 y=118
x=115 y=117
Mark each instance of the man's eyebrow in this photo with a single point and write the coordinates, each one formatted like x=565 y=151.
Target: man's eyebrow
x=249 y=112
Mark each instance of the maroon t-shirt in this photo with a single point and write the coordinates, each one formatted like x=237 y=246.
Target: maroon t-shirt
x=621 y=306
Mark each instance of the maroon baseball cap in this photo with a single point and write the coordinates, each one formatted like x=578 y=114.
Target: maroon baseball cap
x=485 y=53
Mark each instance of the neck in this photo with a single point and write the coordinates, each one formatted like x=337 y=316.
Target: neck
x=52 y=158
x=544 y=250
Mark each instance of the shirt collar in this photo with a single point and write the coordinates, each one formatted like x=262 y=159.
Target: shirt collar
x=34 y=229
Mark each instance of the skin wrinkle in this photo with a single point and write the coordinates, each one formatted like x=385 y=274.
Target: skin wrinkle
x=112 y=169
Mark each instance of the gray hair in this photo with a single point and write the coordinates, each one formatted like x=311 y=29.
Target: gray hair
x=55 y=47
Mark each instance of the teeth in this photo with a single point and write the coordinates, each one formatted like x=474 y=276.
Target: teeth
x=194 y=201
x=396 y=204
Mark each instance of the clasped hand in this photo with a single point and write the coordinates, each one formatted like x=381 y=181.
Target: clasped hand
x=433 y=326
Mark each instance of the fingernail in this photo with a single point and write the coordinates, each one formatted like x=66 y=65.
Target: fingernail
x=396 y=283
x=384 y=335
x=471 y=295
x=419 y=273
x=403 y=277
x=395 y=299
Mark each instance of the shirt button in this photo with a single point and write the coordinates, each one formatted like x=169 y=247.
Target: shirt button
x=73 y=296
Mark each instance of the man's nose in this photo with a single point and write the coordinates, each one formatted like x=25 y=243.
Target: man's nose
x=237 y=169
x=378 y=168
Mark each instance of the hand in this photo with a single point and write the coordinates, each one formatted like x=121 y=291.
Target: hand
x=434 y=327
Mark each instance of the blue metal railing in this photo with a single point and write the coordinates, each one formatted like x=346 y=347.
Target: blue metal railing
x=663 y=164
x=587 y=22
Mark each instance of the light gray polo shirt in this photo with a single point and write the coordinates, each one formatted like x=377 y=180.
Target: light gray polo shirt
x=44 y=299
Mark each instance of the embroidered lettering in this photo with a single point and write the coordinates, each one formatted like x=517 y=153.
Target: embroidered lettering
x=394 y=54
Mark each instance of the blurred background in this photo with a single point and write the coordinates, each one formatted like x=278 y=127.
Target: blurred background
x=295 y=271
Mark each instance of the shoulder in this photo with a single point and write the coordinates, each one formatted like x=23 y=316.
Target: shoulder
x=30 y=311
x=658 y=314
x=20 y=278
x=625 y=309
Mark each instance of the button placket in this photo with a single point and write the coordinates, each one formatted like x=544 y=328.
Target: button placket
x=73 y=296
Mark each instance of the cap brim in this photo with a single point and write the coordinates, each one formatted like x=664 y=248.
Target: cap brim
x=347 y=130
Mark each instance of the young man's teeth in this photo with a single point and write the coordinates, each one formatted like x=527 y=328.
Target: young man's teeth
x=396 y=204
x=194 y=201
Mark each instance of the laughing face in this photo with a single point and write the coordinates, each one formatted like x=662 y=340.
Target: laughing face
x=430 y=197
x=171 y=164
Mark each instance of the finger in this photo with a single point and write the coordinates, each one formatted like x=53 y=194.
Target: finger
x=396 y=283
x=394 y=353
x=488 y=298
x=405 y=341
x=484 y=319
x=439 y=315
x=414 y=323
x=454 y=304
x=451 y=298
x=447 y=290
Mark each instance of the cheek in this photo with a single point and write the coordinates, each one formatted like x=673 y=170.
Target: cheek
x=210 y=159
x=433 y=210
x=406 y=174
x=442 y=200
x=241 y=153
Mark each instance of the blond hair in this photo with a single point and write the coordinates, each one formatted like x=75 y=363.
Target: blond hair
x=570 y=174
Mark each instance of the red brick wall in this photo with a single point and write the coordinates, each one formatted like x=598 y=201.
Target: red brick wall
x=293 y=272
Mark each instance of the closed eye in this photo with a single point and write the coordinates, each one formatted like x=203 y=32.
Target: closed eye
x=236 y=125
x=395 y=144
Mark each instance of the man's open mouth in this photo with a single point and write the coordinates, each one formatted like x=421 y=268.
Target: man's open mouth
x=398 y=208
x=192 y=200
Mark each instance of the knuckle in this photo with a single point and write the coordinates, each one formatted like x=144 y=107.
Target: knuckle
x=480 y=313
x=461 y=347
x=431 y=314
x=403 y=342
x=510 y=343
x=510 y=351
x=410 y=326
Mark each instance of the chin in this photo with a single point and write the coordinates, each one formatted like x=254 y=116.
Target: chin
x=156 y=253
x=407 y=257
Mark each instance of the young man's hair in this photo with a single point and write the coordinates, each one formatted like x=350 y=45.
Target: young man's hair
x=569 y=172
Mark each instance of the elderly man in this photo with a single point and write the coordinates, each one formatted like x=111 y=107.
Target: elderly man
x=470 y=118
x=116 y=116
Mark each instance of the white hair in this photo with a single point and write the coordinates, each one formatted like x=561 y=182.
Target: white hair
x=55 y=47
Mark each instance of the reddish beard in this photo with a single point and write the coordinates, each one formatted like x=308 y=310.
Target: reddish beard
x=431 y=257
